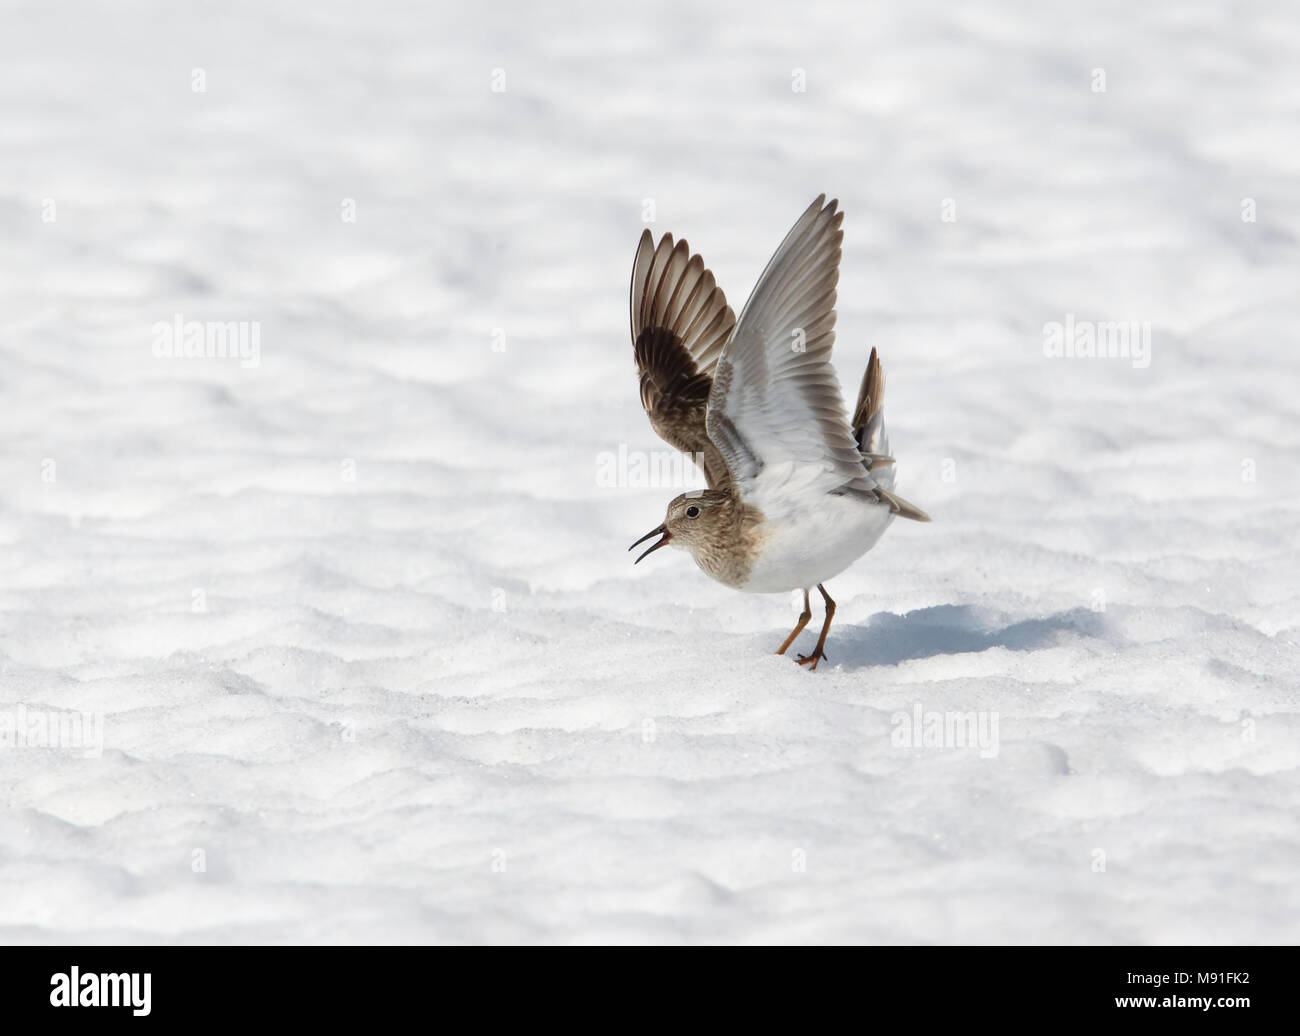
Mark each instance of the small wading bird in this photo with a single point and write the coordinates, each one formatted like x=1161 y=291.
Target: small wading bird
x=796 y=493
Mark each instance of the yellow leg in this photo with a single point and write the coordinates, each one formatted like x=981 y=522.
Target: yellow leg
x=819 y=652
x=803 y=621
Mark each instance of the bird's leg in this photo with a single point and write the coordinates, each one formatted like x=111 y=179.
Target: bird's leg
x=803 y=621
x=819 y=652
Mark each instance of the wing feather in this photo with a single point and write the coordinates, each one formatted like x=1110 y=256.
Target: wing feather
x=775 y=409
x=680 y=322
x=873 y=439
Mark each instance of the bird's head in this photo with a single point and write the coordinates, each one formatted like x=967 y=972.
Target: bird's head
x=693 y=521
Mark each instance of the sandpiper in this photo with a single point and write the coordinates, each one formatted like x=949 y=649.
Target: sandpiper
x=796 y=492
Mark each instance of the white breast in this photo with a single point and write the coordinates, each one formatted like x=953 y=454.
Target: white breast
x=813 y=544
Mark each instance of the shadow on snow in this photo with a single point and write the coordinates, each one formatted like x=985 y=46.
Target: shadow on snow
x=952 y=629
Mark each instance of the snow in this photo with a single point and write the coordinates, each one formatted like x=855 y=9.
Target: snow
x=357 y=620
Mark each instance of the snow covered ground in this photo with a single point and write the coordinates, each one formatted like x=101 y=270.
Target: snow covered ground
x=349 y=624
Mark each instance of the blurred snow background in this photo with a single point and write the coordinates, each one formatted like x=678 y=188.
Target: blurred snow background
x=370 y=660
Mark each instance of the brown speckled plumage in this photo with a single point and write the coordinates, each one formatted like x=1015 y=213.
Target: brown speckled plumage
x=729 y=537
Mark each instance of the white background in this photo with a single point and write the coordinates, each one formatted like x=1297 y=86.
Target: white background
x=438 y=703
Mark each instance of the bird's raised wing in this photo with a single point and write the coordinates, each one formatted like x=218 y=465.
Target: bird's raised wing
x=775 y=410
x=680 y=322
x=873 y=440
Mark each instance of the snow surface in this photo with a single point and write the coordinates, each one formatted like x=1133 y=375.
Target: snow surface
x=370 y=659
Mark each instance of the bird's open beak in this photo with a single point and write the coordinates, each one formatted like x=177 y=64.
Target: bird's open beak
x=653 y=532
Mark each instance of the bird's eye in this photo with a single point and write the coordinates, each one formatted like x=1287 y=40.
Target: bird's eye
x=692 y=511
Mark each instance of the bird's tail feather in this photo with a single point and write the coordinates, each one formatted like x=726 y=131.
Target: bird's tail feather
x=902 y=508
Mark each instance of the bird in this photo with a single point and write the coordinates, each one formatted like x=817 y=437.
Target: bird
x=796 y=491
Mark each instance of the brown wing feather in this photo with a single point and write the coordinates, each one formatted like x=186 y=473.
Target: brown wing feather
x=869 y=431
x=870 y=396
x=680 y=322
x=868 y=415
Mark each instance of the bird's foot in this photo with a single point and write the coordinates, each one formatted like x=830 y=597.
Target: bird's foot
x=811 y=660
